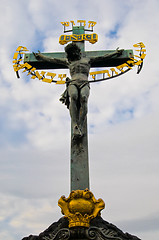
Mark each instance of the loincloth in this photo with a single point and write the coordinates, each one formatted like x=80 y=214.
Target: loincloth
x=78 y=84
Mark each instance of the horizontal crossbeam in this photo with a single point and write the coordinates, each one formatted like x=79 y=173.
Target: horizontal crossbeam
x=112 y=62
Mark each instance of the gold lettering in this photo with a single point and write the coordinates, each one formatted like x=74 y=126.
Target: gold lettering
x=141 y=50
x=61 y=76
x=79 y=37
x=143 y=55
x=25 y=70
x=100 y=72
x=17 y=60
x=60 y=82
x=43 y=73
x=52 y=75
x=32 y=70
x=94 y=73
x=68 y=38
x=33 y=77
x=134 y=59
x=130 y=62
x=92 y=38
x=94 y=76
x=19 y=48
x=125 y=65
x=142 y=45
x=73 y=23
x=82 y=21
x=66 y=24
x=74 y=37
x=120 y=67
x=113 y=70
x=27 y=65
x=106 y=71
x=15 y=67
x=18 y=67
x=84 y=36
x=62 y=39
x=91 y=24
x=38 y=75
x=47 y=80
x=25 y=49
x=15 y=55
x=139 y=45
x=88 y=37
x=138 y=63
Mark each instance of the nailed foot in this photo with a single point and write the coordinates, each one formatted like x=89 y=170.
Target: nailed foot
x=77 y=133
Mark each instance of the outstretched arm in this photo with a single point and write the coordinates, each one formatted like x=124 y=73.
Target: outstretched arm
x=40 y=56
x=117 y=52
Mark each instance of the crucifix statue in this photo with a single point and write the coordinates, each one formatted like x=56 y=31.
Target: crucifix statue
x=77 y=92
x=76 y=97
x=79 y=62
x=81 y=206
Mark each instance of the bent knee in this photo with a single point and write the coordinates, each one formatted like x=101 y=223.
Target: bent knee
x=74 y=96
x=84 y=98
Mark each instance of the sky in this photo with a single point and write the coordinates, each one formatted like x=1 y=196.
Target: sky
x=123 y=116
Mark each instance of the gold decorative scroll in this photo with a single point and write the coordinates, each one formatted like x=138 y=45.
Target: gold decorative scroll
x=41 y=75
x=108 y=73
x=82 y=22
x=113 y=72
x=92 y=38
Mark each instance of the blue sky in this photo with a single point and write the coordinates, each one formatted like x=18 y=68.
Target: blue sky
x=123 y=119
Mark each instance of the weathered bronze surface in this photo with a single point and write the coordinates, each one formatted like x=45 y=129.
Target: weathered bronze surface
x=77 y=93
x=79 y=161
x=76 y=98
x=115 y=61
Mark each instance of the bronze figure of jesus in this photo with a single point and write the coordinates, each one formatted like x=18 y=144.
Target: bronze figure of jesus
x=77 y=91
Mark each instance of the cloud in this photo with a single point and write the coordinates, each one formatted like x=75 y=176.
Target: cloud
x=123 y=119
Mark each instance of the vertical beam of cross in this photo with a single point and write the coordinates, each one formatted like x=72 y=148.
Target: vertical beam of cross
x=79 y=161
x=79 y=147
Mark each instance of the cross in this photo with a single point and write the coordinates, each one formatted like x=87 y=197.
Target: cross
x=79 y=94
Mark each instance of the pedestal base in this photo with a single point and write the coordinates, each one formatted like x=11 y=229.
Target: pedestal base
x=98 y=230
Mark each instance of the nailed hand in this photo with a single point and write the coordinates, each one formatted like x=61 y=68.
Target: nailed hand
x=37 y=55
x=119 y=51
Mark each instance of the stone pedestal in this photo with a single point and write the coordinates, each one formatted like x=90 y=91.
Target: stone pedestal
x=98 y=230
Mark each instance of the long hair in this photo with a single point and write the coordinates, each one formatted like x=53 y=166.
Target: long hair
x=71 y=48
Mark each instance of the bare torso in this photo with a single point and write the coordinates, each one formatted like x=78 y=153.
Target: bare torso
x=79 y=69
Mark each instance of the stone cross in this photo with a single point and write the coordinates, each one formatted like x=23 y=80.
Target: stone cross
x=79 y=144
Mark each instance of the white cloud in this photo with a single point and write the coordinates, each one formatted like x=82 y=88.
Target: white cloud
x=35 y=127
